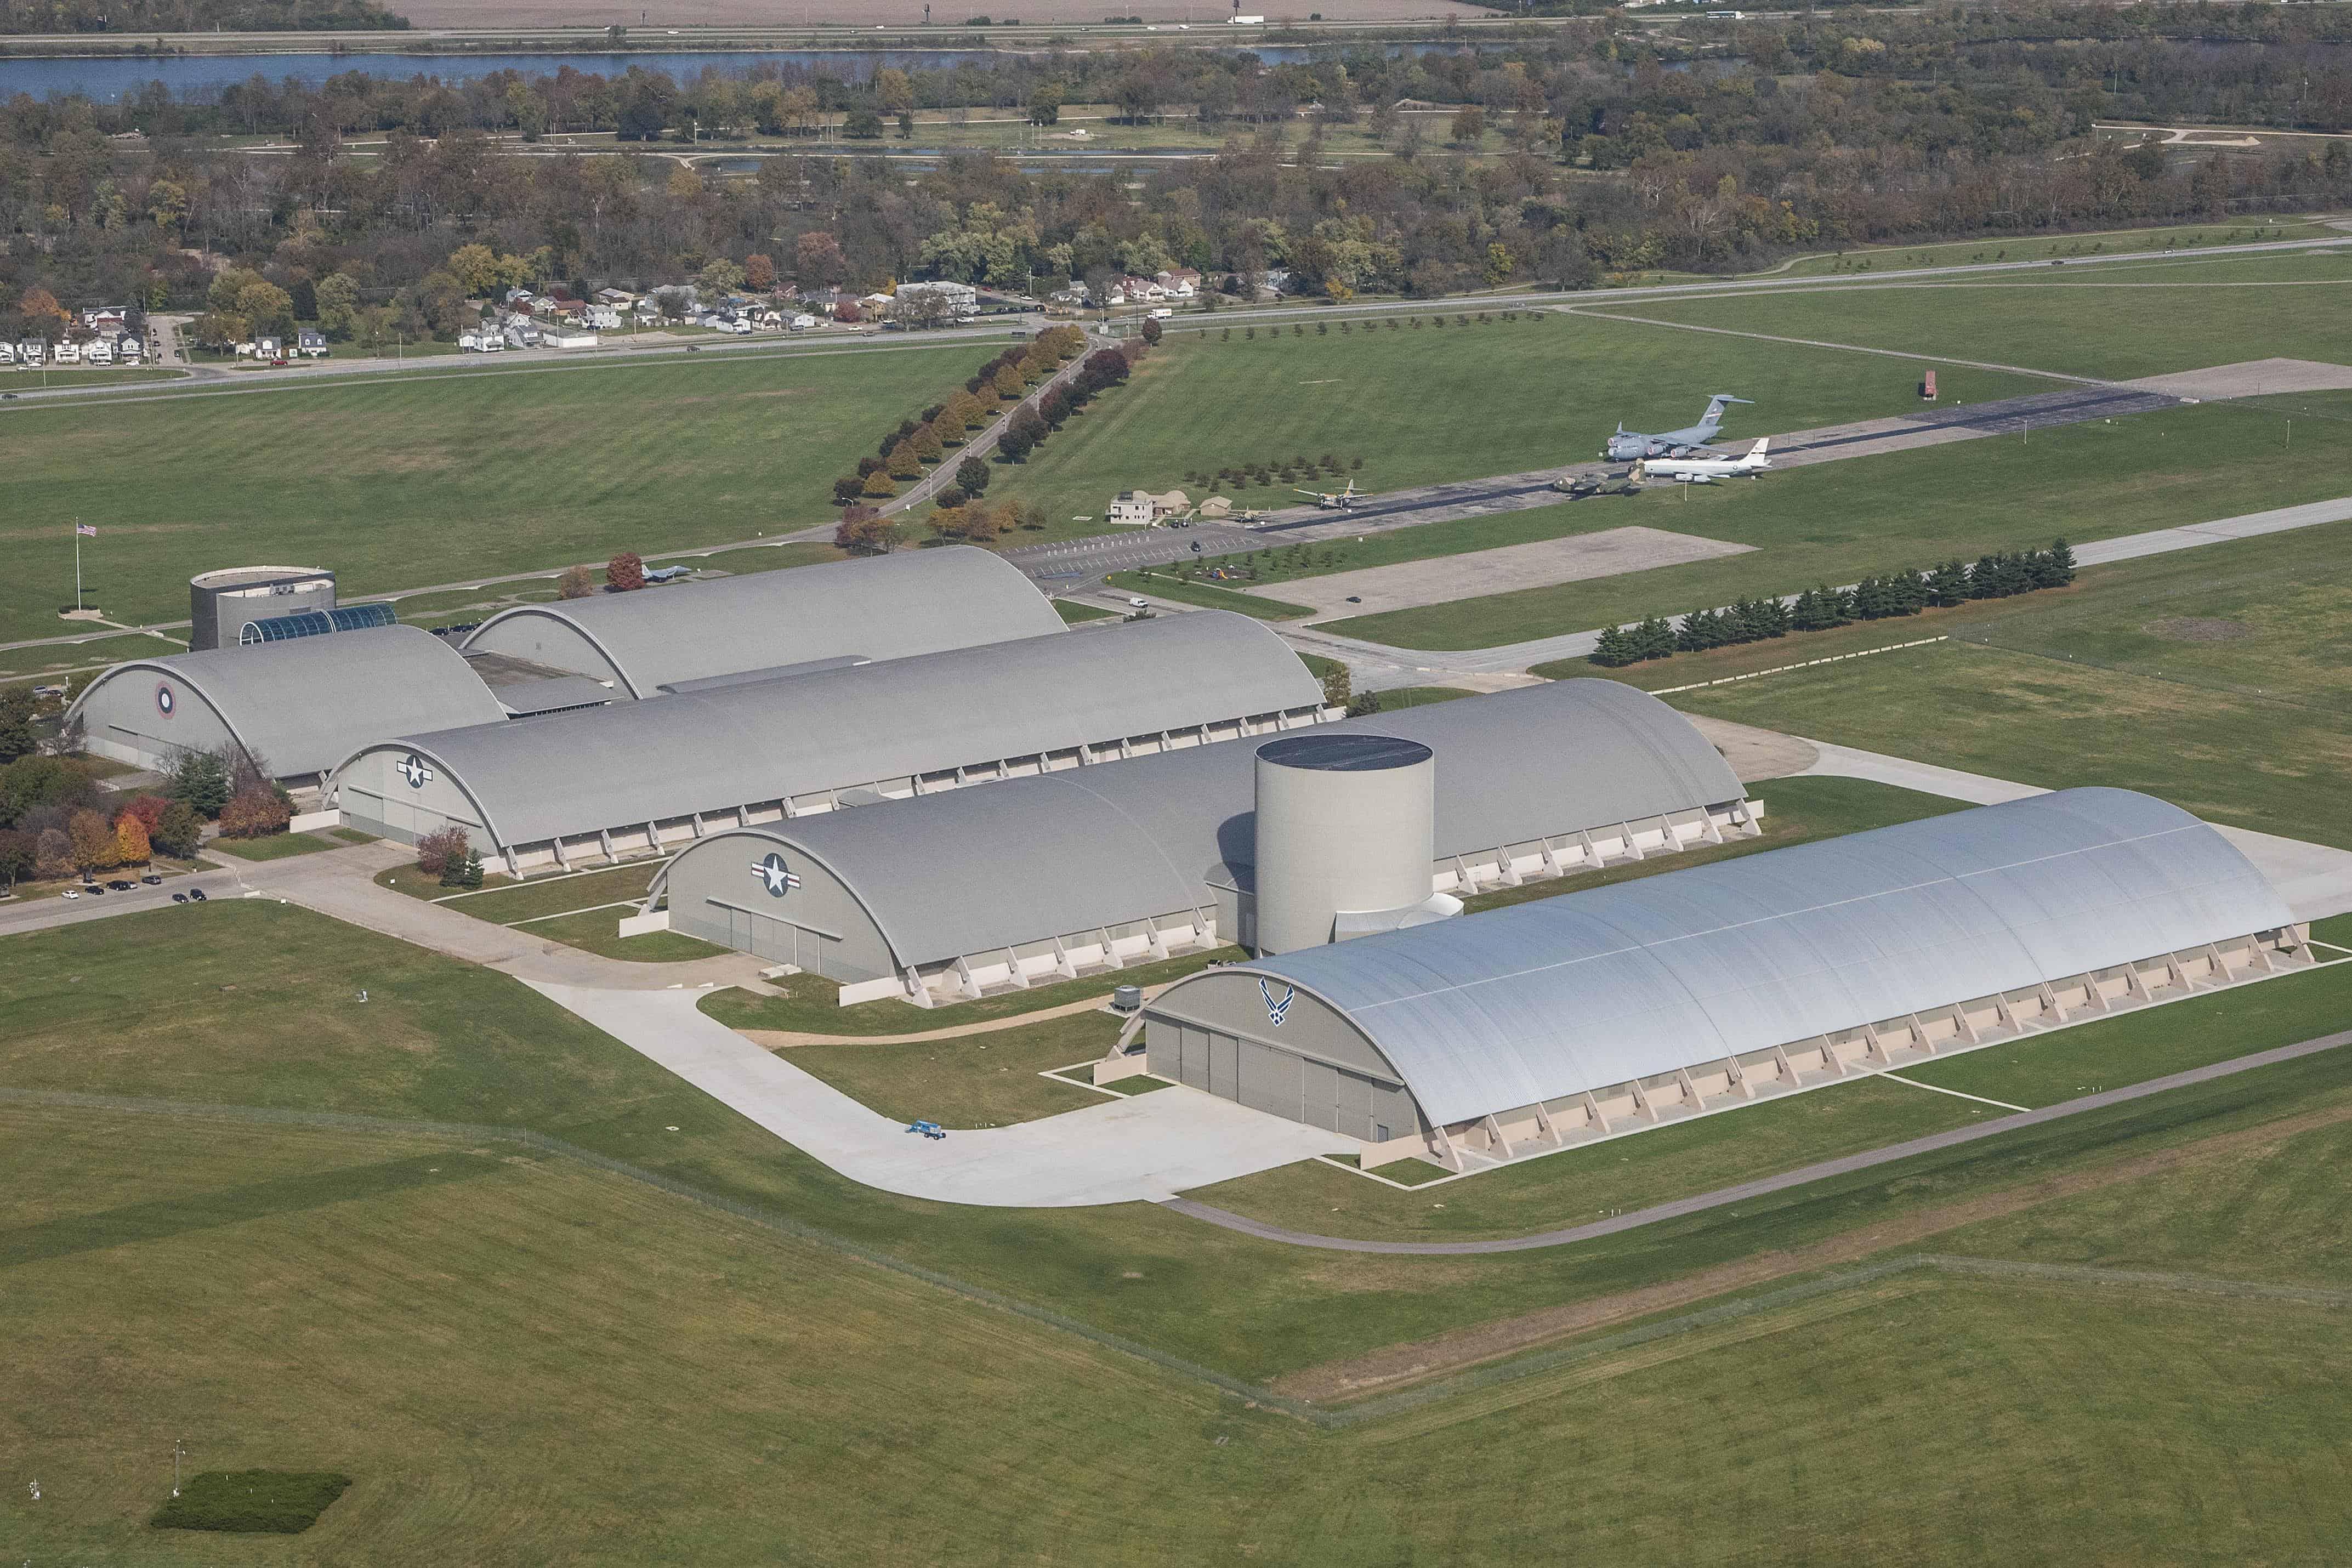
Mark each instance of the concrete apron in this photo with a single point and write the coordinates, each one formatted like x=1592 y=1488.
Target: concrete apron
x=1140 y=1150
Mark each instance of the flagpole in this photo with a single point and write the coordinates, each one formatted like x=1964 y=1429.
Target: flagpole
x=76 y=564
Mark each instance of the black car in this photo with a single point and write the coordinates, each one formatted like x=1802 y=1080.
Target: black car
x=178 y=897
x=92 y=889
x=197 y=894
x=119 y=885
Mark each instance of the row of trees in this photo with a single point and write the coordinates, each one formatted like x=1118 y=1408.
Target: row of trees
x=1997 y=575
x=450 y=857
x=1815 y=131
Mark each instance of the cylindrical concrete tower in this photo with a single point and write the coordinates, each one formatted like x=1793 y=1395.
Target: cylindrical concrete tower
x=1345 y=836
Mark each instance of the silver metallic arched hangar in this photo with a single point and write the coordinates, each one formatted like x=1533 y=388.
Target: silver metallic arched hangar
x=1568 y=1018
x=951 y=895
x=637 y=777
x=299 y=707
x=882 y=608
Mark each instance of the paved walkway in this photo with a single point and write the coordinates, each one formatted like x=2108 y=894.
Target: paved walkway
x=1142 y=1149
x=1804 y=1175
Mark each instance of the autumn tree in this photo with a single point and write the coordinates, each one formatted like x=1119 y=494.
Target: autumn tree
x=760 y=272
x=877 y=485
x=576 y=583
x=131 y=847
x=434 y=850
x=93 y=841
x=53 y=855
x=625 y=572
x=255 y=812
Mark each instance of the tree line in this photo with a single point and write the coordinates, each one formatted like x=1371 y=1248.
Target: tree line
x=1997 y=575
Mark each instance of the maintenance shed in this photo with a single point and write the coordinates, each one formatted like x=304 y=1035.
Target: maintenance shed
x=947 y=896
x=1558 y=1022
x=294 y=708
x=637 y=777
x=882 y=608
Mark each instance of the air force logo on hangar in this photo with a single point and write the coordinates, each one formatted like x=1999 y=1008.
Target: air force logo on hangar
x=1277 y=1011
x=411 y=768
x=774 y=874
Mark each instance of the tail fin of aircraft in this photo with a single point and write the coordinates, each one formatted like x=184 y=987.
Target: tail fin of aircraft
x=1757 y=450
x=1715 y=406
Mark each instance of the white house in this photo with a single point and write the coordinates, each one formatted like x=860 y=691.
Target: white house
x=129 y=347
x=1142 y=508
x=1181 y=283
x=267 y=348
x=100 y=352
x=68 y=353
x=955 y=298
x=310 y=343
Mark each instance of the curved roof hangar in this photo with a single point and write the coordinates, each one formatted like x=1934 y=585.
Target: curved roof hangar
x=1531 y=1002
x=889 y=606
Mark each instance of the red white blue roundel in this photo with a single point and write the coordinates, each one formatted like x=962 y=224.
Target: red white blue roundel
x=774 y=874
x=167 y=701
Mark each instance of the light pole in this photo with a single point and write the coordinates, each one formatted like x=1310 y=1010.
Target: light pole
x=178 y=1448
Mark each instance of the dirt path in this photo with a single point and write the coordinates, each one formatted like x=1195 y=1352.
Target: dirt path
x=1405 y=1364
x=784 y=1039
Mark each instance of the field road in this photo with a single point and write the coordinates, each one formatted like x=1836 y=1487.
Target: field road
x=1764 y=1187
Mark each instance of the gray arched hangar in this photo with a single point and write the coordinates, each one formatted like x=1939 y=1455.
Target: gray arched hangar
x=1080 y=871
x=1557 y=1022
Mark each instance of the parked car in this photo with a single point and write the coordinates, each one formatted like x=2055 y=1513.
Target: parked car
x=73 y=892
x=1139 y=603
x=119 y=885
x=197 y=894
x=92 y=889
x=178 y=897
x=152 y=879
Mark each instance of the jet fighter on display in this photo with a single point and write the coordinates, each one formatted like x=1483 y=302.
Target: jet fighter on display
x=1341 y=499
x=1627 y=446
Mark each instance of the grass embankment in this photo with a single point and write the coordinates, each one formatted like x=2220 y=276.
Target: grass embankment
x=464 y=1302
x=2187 y=238
x=581 y=911
x=1837 y=522
x=1422 y=406
x=575 y=465
x=811 y=1005
x=2212 y=677
x=2096 y=320
x=1072 y=613
x=980 y=1080
x=277 y=847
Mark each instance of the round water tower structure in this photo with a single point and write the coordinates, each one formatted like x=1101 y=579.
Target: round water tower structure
x=1345 y=831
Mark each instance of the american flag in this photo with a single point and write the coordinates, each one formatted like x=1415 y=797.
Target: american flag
x=86 y=531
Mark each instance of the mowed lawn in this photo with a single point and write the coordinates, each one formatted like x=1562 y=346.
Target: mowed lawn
x=552 y=1366
x=2045 y=247
x=2113 y=323
x=2212 y=677
x=414 y=481
x=1837 y=522
x=1454 y=403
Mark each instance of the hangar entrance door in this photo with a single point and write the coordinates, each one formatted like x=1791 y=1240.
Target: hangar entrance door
x=781 y=941
x=1302 y=1088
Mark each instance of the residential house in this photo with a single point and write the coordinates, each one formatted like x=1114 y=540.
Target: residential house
x=1142 y=508
x=602 y=318
x=310 y=343
x=128 y=347
x=268 y=348
x=615 y=297
x=955 y=298
x=105 y=318
x=1180 y=282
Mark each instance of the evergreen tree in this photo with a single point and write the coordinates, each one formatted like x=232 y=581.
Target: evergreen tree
x=1948 y=585
x=1807 y=615
x=1870 y=599
x=1839 y=602
x=1696 y=632
x=1771 y=618
x=1907 y=592
x=1655 y=638
x=1615 y=649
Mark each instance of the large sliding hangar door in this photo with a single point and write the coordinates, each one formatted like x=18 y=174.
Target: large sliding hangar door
x=1358 y=1100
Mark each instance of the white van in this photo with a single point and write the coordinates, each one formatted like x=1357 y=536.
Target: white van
x=1161 y=314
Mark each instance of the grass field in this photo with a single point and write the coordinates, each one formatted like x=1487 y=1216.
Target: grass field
x=1207 y=596
x=1421 y=407
x=2212 y=677
x=2042 y=247
x=2085 y=323
x=434 y=478
x=1836 y=522
x=441 y=1325
x=986 y=1080
x=278 y=847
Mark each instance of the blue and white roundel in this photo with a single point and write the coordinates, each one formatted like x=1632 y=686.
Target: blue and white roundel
x=165 y=700
x=411 y=768
x=774 y=874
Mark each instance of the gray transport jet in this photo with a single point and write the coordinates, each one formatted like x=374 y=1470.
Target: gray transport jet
x=1628 y=445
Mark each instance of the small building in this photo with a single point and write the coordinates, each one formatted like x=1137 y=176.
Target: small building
x=602 y=318
x=310 y=343
x=1143 y=508
x=615 y=297
x=568 y=338
x=268 y=348
x=954 y=298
